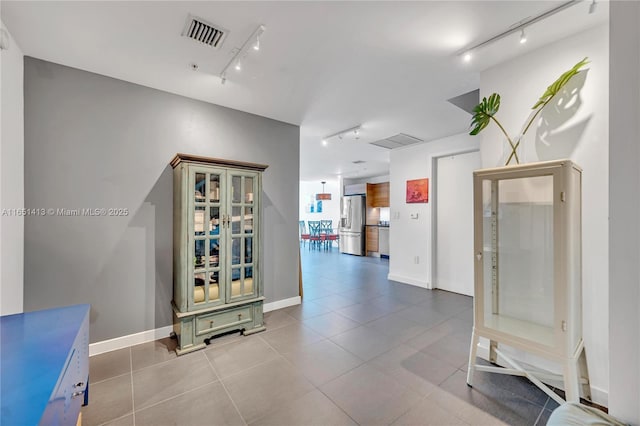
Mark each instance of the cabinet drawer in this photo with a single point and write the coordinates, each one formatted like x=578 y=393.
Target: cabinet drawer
x=212 y=322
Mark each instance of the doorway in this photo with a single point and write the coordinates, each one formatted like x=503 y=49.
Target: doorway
x=454 y=222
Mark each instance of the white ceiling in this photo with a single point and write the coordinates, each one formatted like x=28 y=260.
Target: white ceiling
x=326 y=66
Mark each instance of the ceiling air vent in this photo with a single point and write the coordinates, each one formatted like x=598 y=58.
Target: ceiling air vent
x=358 y=162
x=397 y=141
x=200 y=30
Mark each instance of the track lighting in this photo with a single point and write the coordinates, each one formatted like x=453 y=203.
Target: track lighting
x=523 y=37
x=467 y=51
x=240 y=54
x=342 y=133
x=592 y=6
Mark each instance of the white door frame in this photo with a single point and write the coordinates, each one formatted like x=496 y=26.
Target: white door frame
x=434 y=209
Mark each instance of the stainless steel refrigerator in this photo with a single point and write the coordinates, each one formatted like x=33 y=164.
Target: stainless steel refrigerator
x=352 y=217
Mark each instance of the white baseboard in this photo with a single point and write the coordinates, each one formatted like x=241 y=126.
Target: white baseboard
x=408 y=280
x=284 y=303
x=151 y=335
x=129 y=340
x=598 y=395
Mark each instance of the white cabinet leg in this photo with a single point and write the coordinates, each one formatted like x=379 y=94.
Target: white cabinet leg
x=583 y=375
x=472 y=358
x=571 y=383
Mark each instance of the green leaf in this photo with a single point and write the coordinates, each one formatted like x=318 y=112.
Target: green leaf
x=557 y=85
x=483 y=112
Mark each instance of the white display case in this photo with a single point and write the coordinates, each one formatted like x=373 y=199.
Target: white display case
x=528 y=280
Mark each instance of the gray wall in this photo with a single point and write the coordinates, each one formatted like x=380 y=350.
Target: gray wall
x=96 y=142
x=624 y=211
x=11 y=178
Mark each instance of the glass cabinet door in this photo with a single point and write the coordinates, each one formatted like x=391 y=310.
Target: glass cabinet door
x=208 y=238
x=242 y=188
x=518 y=256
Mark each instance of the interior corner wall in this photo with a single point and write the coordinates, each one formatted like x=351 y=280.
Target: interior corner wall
x=11 y=178
x=330 y=208
x=410 y=240
x=583 y=138
x=96 y=142
x=624 y=212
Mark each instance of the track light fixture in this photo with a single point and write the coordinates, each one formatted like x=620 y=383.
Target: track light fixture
x=467 y=51
x=523 y=37
x=253 y=40
x=342 y=133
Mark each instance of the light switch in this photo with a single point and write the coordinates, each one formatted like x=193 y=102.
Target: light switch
x=414 y=215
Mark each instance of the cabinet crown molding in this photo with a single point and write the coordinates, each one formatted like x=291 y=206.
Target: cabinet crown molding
x=189 y=158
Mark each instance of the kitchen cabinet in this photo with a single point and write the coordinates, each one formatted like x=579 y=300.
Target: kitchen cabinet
x=44 y=366
x=378 y=194
x=372 y=239
x=383 y=240
x=217 y=284
x=355 y=189
x=528 y=282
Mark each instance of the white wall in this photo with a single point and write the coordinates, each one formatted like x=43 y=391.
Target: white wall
x=411 y=238
x=11 y=179
x=624 y=212
x=579 y=132
x=330 y=208
x=373 y=179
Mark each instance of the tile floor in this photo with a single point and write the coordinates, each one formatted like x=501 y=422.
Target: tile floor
x=359 y=350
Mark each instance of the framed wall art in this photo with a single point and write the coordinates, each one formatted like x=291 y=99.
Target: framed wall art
x=418 y=191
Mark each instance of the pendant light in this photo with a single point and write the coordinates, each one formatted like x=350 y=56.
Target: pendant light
x=323 y=195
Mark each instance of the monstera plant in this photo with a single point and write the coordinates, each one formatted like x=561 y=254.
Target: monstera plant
x=486 y=110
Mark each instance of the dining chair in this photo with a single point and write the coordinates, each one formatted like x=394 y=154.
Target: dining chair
x=304 y=234
x=326 y=231
x=314 y=234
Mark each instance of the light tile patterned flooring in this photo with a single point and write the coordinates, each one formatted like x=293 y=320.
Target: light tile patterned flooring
x=359 y=350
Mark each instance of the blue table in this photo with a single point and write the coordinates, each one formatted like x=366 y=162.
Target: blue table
x=44 y=366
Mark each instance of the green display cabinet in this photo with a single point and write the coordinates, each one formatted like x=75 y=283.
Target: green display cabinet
x=217 y=274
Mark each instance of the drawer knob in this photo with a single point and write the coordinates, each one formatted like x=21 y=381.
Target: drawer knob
x=78 y=385
x=77 y=394
x=239 y=316
x=211 y=323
